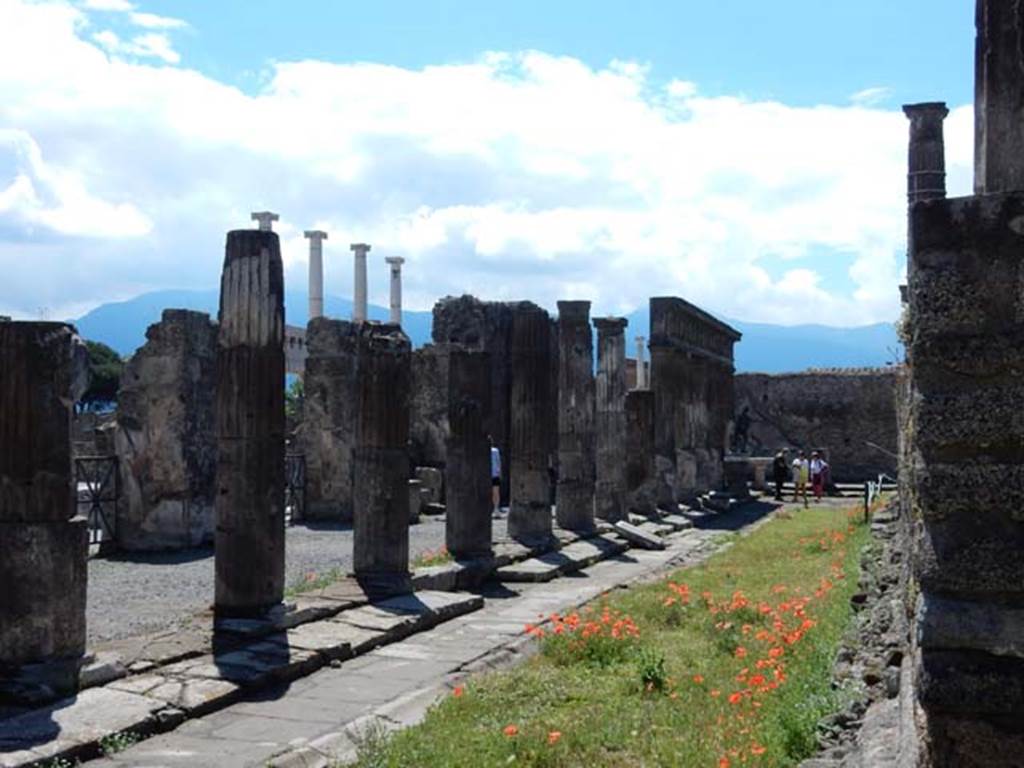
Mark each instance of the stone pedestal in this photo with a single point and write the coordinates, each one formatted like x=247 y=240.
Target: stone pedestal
x=381 y=493
x=574 y=501
x=610 y=419
x=43 y=544
x=467 y=472
x=641 y=478
x=327 y=433
x=249 y=539
x=166 y=437
x=530 y=511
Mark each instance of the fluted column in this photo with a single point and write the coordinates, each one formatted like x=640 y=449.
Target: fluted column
x=531 y=444
x=468 y=461
x=610 y=422
x=395 y=268
x=926 y=154
x=641 y=484
x=316 y=239
x=574 y=503
x=359 y=252
x=249 y=508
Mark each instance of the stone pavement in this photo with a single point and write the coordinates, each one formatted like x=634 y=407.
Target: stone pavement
x=317 y=721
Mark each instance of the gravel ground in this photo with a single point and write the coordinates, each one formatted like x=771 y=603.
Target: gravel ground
x=131 y=594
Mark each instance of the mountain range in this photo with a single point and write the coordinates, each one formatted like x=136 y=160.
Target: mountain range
x=764 y=348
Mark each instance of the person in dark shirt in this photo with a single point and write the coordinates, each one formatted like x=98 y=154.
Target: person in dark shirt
x=780 y=471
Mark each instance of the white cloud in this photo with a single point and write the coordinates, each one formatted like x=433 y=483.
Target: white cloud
x=518 y=175
x=121 y=6
x=153 y=21
x=871 y=97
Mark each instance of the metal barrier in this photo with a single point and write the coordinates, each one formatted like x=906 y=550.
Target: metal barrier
x=295 y=487
x=872 y=491
x=97 y=492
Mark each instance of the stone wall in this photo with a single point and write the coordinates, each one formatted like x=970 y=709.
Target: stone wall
x=165 y=439
x=428 y=410
x=838 y=411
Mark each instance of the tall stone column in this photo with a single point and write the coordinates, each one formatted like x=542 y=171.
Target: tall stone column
x=641 y=369
x=611 y=418
x=249 y=508
x=316 y=239
x=999 y=97
x=574 y=503
x=926 y=155
x=395 y=263
x=530 y=511
x=467 y=469
x=381 y=493
x=43 y=545
x=641 y=482
x=359 y=251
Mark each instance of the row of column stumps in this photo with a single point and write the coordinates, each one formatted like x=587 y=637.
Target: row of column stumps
x=265 y=220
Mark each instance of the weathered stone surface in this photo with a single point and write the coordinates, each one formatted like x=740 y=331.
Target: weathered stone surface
x=415 y=500
x=999 y=97
x=432 y=481
x=468 y=527
x=836 y=411
x=327 y=434
x=428 y=406
x=485 y=326
x=532 y=431
x=381 y=534
x=926 y=157
x=950 y=624
x=249 y=539
x=641 y=479
x=574 y=501
x=638 y=536
x=165 y=436
x=42 y=568
x=610 y=419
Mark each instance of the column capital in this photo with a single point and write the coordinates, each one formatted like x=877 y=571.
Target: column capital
x=360 y=249
x=610 y=325
x=574 y=310
x=395 y=261
x=266 y=219
x=315 y=235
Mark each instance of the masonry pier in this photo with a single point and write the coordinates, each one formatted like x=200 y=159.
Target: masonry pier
x=574 y=502
x=610 y=418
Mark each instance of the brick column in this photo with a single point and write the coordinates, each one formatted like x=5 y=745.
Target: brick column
x=574 y=504
x=641 y=483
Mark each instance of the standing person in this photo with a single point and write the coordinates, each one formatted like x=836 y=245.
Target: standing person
x=742 y=434
x=780 y=471
x=495 y=478
x=801 y=472
x=817 y=474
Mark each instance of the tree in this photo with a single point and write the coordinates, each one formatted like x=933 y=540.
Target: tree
x=105 y=367
x=294 y=396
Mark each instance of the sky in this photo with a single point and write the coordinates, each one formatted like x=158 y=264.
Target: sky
x=745 y=155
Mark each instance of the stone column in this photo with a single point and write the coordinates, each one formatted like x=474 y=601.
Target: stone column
x=926 y=156
x=611 y=418
x=530 y=510
x=395 y=263
x=359 y=282
x=999 y=97
x=381 y=493
x=316 y=239
x=467 y=470
x=249 y=509
x=641 y=484
x=265 y=220
x=43 y=545
x=641 y=369
x=574 y=503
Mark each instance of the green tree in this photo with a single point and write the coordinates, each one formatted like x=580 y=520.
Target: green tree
x=105 y=367
x=293 y=399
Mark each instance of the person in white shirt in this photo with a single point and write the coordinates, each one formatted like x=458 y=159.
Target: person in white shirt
x=495 y=477
x=818 y=468
x=801 y=471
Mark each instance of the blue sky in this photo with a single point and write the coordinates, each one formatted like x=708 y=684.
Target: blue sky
x=747 y=155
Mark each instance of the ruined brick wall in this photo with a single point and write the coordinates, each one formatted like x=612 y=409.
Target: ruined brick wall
x=428 y=406
x=840 y=411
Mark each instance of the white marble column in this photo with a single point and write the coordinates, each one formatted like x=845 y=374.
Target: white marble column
x=641 y=371
x=316 y=272
x=266 y=220
x=359 y=285
x=396 y=262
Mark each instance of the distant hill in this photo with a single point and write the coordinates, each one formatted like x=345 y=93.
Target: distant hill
x=764 y=348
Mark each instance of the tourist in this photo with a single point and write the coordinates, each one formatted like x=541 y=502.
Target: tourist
x=495 y=478
x=801 y=473
x=780 y=473
x=819 y=470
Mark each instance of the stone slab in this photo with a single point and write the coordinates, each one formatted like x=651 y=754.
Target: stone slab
x=331 y=639
x=678 y=522
x=638 y=536
x=72 y=724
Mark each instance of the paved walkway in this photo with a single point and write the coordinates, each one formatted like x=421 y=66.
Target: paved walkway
x=312 y=721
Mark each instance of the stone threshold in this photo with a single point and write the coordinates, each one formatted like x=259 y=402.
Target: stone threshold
x=161 y=697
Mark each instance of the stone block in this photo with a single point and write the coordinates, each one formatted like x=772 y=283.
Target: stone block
x=636 y=535
x=971 y=683
x=945 y=623
x=432 y=481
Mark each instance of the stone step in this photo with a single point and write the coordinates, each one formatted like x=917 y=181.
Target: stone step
x=570 y=558
x=678 y=522
x=637 y=535
x=161 y=699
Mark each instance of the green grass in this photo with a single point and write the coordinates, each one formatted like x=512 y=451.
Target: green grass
x=648 y=700
x=430 y=557
x=313 y=580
